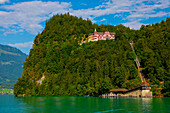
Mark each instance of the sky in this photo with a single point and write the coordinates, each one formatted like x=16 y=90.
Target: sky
x=22 y=20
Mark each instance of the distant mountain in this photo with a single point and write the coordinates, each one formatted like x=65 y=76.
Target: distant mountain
x=11 y=63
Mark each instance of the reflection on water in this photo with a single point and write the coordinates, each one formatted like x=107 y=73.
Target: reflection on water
x=9 y=104
x=146 y=104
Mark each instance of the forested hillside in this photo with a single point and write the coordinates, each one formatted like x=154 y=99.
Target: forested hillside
x=11 y=62
x=152 y=44
x=71 y=69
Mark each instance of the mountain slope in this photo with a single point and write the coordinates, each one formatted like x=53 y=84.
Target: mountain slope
x=71 y=69
x=11 y=63
x=58 y=65
x=152 y=46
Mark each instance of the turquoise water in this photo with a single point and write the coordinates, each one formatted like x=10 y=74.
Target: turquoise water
x=11 y=104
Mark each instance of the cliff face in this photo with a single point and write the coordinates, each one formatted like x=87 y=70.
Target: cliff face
x=68 y=68
x=11 y=64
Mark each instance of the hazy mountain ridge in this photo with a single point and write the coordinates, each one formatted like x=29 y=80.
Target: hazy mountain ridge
x=11 y=63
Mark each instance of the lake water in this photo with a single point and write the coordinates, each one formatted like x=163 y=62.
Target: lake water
x=55 y=104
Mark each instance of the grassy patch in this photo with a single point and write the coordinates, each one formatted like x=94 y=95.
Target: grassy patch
x=6 y=52
x=6 y=91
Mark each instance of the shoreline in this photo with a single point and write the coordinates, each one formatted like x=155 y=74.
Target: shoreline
x=24 y=95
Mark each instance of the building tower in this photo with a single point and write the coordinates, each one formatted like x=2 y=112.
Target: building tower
x=95 y=35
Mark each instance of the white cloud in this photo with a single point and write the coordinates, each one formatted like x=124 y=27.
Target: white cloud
x=24 y=45
x=83 y=4
x=134 y=24
x=3 y=1
x=138 y=15
x=3 y=13
x=134 y=10
x=159 y=14
x=27 y=16
x=103 y=20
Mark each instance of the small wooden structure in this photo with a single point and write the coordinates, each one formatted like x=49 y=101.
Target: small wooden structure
x=141 y=91
x=116 y=92
x=131 y=41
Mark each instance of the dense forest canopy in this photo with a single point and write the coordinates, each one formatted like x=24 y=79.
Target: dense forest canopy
x=95 y=67
x=152 y=44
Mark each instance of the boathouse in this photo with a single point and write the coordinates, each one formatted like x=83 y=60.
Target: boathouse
x=116 y=92
x=142 y=91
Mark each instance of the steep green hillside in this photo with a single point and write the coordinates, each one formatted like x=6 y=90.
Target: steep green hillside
x=11 y=63
x=153 y=49
x=57 y=65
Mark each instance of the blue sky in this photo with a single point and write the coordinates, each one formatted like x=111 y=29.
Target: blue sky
x=21 y=20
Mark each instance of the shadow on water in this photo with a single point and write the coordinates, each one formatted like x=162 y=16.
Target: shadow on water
x=82 y=104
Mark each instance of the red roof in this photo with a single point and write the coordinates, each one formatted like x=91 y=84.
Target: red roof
x=118 y=90
x=145 y=84
x=131 y=41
